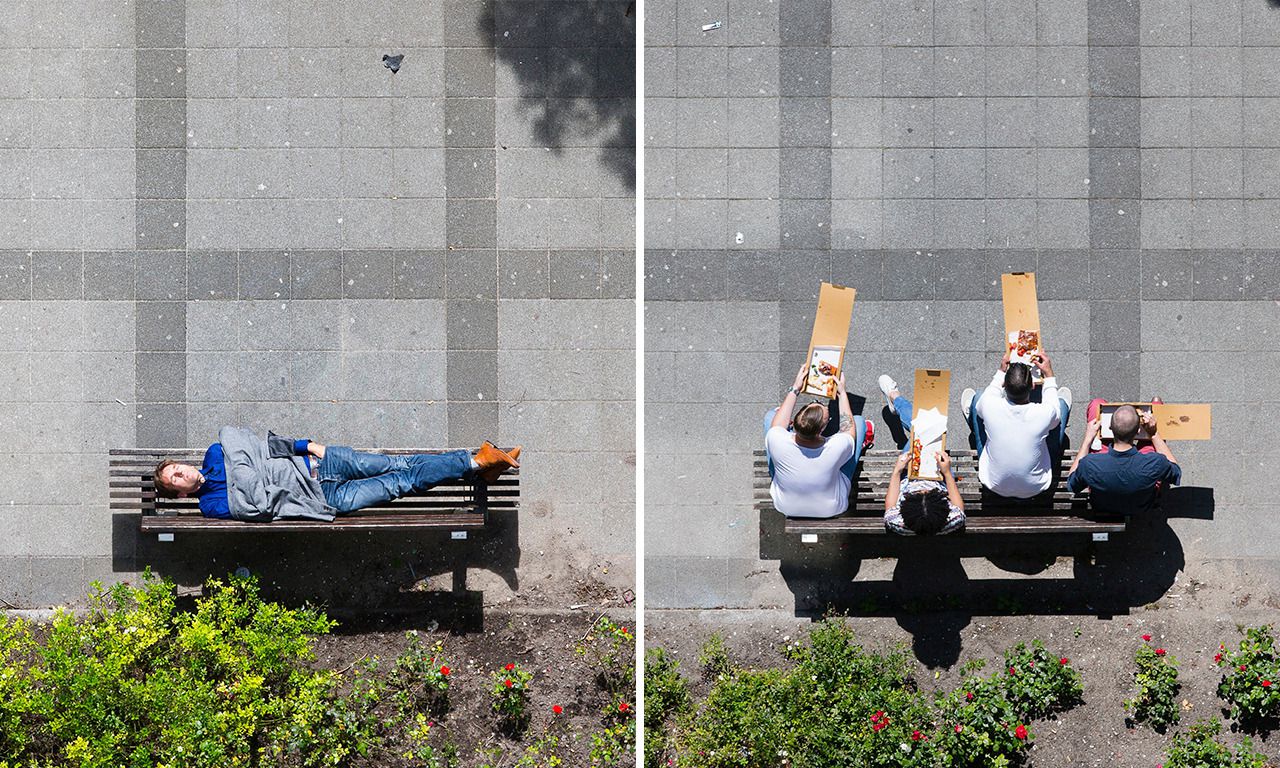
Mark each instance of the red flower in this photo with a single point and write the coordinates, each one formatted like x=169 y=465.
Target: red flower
x=1020 y=732
x=968 y=695
x=1147 y=638
x=623 y=706
x=1217 y=658
x=916 y=736
x=1063 y=661
x=557 y=709
x=444 y=670
x=1013 y=670
x=508 y=682
x=624 y=631
x=1242 y=667
x=877 y=727
x=1266 y=683
x=1160 y=651
x=509 y=667
x=959 y=728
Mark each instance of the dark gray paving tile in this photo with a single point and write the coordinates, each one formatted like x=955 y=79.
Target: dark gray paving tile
x=909 y=275
x=1063 y=275
x=57 y=275
x=367 y=274
x=752 y=275
x=1262 y=275
x=469 y=123
x=685 y=275
x=468 y=72
x=472 y=423
x=316 y=274
x=473 y=375
x=1114 y=122
x=1115 y=326
x=1112 y=274
x=161 y=73
x=419 y=274
x=161 y=326
x=795 y=328
x=959 y=275
x=804 y=22
x=264 y=275
x=108 y=276
x=162 y=425
x=1114 y=71
x=161 y=224
x=471 y=223
x=56 y=581
x=1166 y=276
x=161 y=174
x=1113 y=22
x=472 y=324
x=801 y=275
x=804 y=122
x=15 y=581
x=618 y=276
x=1113 y=375
x=805 y=224
x=576 y=274
x=162 y=276
x=804 y=173
x=863 y=270
x=160 y=24
x=161 y=123
x=1114 y=224
x=472 y=275
x=470 y=172
x=162 y=377
x=571 y=59
x=469 y=23
x=523 y=274
x=1115 y=172
x=804 y=71
x=1013 y=260
x=1217 y=276
x=212 y=275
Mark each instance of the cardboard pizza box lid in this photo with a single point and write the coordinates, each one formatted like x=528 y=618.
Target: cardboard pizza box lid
x=932 y=390
x=1021 y=308
x=1178 y=421
x=832 y=321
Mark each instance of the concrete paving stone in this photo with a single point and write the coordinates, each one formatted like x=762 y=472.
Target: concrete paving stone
x=468 y=122
x=1114 y=23
x=263 y=24
x=161 y=123
x=161 y=74
x=1216 y=224
x=676 y=427
x=1115 y=372
x=909 y=72
x=570 y=425
x=108 y=73
x=960 y=173
x=1261 y=173
x=111 y=326
x=56 y=581
x=367 y=274
x=471 y=223
x=1012 y=122
x=1166 y=275
x=1218 y=173
x=960 y=122
x=471 y=275
x=57 y=224
x=1217 y=276
x=1215 y=325
x=161 y=425
x=691 y=17
x=908 y=22
x=1011 y=173
x=1114 y=223
x=472 y=324
x=469 y=72
x=57 y=275
x=751 y=173
x=1260 y=119
x=161 y=224
x=264 y=325
x=316 y=274
x=1111 y=326
x=805 y=224
x=312 y=72
x=1216 y=71
x=57 y=376
x=1216 y=22
x=398 y=425
x=578 y=477
x=1165 y=22
x=959 y=223
x=960 y=71
x=741 y=326
x=264 y=275
x=471 y=423
x=527 y=375
x=800 y=275
x=1166 y=71
x=60 y=122
x=660 y=229
x=702 y=172
x=1260 y=24
x=159 y=174
x=805 y=173
x=737 y=275
x=857 y=71
x=908 y=223
x=1167 y=122
x=161 y=326
x=419 y=274
x=215 y=326
x=1115 y=71
x=161 y=377
x=758 y=122
x=314 y=376
x=752 y=72
x=702 y=72
x=758 y=221
x=1011 y=223
x=211 y=376
x=1062 y=71
x=702 y=223
x=856 y=224
x=1115 y=173
x=525 y=223
x=806 y=22
x=1114 y=122
x=1112 y=273
x=618 y=279
x=104 y=377
x=264 y=377
x=367 y=173
x=468 y=172
x=575 y=274
x=161 y=276
x=1216 y=121
x=1011 y=71
x=755 y=23
x=908 y=122
x=805 y=71
x=702 y=122
x=1262 y=225
x=1203 y=376
x=417 y=375
x=1166 y=173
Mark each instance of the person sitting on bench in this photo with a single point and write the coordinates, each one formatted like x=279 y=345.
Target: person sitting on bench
x=1123 y=480
x=919 y=507
x=812 y=461
x=244 y=477
x=1101 y=444
x=1019 y=438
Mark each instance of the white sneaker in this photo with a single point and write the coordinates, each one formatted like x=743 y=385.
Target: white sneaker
x=1064 y=394
x=966 y=401
x=887 y=385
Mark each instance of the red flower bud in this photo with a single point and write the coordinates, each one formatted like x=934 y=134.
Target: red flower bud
x=509 y=667
x=1063 y=661
x=959 y=728
x=1020 y=732
x=968 y=695
x=1147 y=638
x=1160 y=651
x=557 y=709
x=508 y=682
x=916 y=735
x=444 y=670
x=1266 y=683
x=623 y=706
x=1242 y=667
x=1217 y=658
x=1013 y=670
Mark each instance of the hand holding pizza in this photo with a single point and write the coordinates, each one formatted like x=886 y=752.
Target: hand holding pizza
x=1046 y=365
x=800 y=377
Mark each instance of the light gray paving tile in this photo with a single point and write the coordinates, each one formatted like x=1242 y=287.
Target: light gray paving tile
x=754 y=122
x=1165 y=22
x=960 y=71
x=1218 y=173
x=1063 y=173
x=1262 y=223
x=908 y=122
x=759 y=222
x=1260 y=25
x=960 y=122
x=909 y=72
x=1217 y=224
x=1166 y=223
x=702 y=72
x=1011 y=173
x=1011 y=22
x=1261 y=120
x=756 y=23
x=1011 y=71
x=1166 y=173
x=1166 y=71
x=1216 y=22
x=1216 y=71
x=1216 y=122
x=1011 y=122
x=857 y=71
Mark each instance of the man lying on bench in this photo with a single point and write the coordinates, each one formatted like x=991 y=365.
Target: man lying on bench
x=244 y=477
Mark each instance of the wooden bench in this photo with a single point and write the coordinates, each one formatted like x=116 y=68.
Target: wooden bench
x=457 y=506
x=1057 y=510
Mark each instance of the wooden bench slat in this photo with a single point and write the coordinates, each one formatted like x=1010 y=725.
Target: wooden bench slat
x=978 y=524
x=165 y=524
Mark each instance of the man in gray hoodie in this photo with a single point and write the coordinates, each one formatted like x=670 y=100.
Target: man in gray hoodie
x=244 y=477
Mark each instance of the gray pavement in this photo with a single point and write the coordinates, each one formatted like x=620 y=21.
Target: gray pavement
x=915 y=150
x=233 y=213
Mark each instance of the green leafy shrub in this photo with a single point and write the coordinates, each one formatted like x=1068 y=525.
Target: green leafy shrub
x=714 y=658
x=609 y=649
x=616 y=740
x=421 y=678
x=980 y=725
x=509 y=694
x=19 y=677
x=1039 y=683
x=666 y=693
x=1251 y=677
x=1199 y=748
x=1156 y=700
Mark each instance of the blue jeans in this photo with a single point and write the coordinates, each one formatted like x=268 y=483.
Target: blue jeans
x=849 y=467
x=353 y=480
x=1056 y=439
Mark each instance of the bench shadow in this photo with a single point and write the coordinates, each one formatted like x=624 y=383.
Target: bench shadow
x=366 y=579
x=933 y=598
x=574 y=64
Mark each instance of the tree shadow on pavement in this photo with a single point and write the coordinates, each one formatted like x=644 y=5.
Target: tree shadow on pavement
x=574 y=63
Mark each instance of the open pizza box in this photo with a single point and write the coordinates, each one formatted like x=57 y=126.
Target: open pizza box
x=1022 y=320
x=830 y=335
x=928 y=423
x=1174 y=421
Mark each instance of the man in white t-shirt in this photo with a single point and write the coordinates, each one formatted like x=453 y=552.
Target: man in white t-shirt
x=1018 y=440
x=813 y=471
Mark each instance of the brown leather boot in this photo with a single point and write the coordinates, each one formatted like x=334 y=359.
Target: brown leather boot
x=493 y=462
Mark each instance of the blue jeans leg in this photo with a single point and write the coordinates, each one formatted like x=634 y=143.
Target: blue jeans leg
x=768 y=422
x=859 y=434
x=1057 y=439
x=352 y=480
x=976 y=426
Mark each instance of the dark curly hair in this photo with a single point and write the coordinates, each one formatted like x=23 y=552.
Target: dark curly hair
x=925 y=513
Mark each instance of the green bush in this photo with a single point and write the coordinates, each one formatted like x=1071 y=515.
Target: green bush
x=19 y=677
x=714 y=658
x=421 y=678
x=1199 y=748
x=609 y=649
x=1039 y=683
x=1156 y=700
x=666 y=694
x=1251 y=677
x=509 y=694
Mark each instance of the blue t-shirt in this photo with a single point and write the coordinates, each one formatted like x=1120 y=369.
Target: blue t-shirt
x=213 y=494
x=1123 y=482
